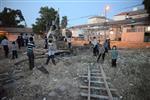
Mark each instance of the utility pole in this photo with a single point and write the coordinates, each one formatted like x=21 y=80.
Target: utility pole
x=53 y=23
x=105 y=23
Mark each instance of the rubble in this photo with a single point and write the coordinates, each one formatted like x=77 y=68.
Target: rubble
x=130 y=77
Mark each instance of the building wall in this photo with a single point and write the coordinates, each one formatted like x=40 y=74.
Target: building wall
x=96 y=20
x=133 y=37
x=139 y=16
x=121 y=17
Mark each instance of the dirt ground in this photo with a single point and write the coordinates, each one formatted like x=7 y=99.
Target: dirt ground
x=131 y=77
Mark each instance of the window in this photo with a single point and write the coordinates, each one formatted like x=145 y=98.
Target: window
x=147 y=37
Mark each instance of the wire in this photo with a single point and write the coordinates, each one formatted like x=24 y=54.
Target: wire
x=80 y=17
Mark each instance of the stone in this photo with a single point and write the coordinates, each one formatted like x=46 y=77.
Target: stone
x=52 y=94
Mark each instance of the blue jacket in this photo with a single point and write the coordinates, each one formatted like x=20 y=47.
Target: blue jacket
x=114 y=54
x=106 y=45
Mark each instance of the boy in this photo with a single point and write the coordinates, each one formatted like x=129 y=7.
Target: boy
x=5 y=43
x=51 y=52
x=95 y=48
x=69 y=42
x=14 y=50
x=114 y=55
x=30 y=53
x=101 y=52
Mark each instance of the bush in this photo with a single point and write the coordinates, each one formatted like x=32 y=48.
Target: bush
x=1 y=37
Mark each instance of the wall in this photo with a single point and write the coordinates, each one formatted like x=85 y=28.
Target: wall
x=120 y=17
x=121 y=44
x=133 y=37
x=96 y=20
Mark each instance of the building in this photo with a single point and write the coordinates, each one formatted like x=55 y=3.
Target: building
x=131 y=14
x=96 y=19
x=12 y=33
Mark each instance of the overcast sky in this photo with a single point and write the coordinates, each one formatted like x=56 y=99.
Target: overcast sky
x=77 y=11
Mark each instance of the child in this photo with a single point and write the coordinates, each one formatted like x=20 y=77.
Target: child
x=30 y=53
x=5 y=43
x=69 y=42
x=51 y=52
x=14 y=50
x=101 y=52
x=106 y=46
x=95 y=48
x=45 y=43
x=114 y=55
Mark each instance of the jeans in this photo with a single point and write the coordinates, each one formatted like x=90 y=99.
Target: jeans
x=103 y=56
x=31 y=60
x=114 y=62
x=14 y=54
x=6 y=50
x=69 y=45
x=52 y=58
x=95 y=51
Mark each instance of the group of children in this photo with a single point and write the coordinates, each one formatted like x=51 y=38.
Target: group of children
x=5 y=44
x=21 y=41
x=100 y=50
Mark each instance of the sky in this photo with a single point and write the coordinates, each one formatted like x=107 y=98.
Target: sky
x=77 y=11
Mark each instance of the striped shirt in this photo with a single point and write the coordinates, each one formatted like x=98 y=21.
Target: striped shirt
x=30 y=47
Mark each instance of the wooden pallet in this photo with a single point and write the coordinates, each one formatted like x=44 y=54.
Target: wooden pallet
x=97 y=73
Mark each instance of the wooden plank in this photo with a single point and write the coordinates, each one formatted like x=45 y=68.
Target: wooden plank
x=89 y=83
x=98 y=82
x=97 y=88
x=94 y=77
x=106 y=84
x=95 y=96
x=96 y=73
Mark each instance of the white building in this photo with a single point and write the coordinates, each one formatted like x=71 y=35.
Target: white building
x=131 y=14
x=96 y=19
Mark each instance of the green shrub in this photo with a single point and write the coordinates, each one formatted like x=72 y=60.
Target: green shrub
x=1 y=37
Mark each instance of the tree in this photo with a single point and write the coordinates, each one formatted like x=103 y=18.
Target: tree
x=46 y=20
x=147 y=6
x=11 y=18
x=64 y=22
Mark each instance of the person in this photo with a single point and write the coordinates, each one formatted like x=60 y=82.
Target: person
x=5 y=43
x=114 y=55
x=19 y=42
x=101 y=52
x=69 y=42
x=26 y=39
x=30 y=53
x=109 y=48
x=22 y=40
x=95 y=46
x=45 y=43
x=14 y=50
x=106 y=46
x=51 y=53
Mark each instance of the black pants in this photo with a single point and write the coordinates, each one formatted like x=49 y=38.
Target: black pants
x=114 y=62
x=14 y=54
x=31 y=60
x=52 y=58
x=103 y=56
x=26 y=42
x=19 y=45
x=6 y=50
x=106 y=50
x=95 y=51
x=69 y=45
